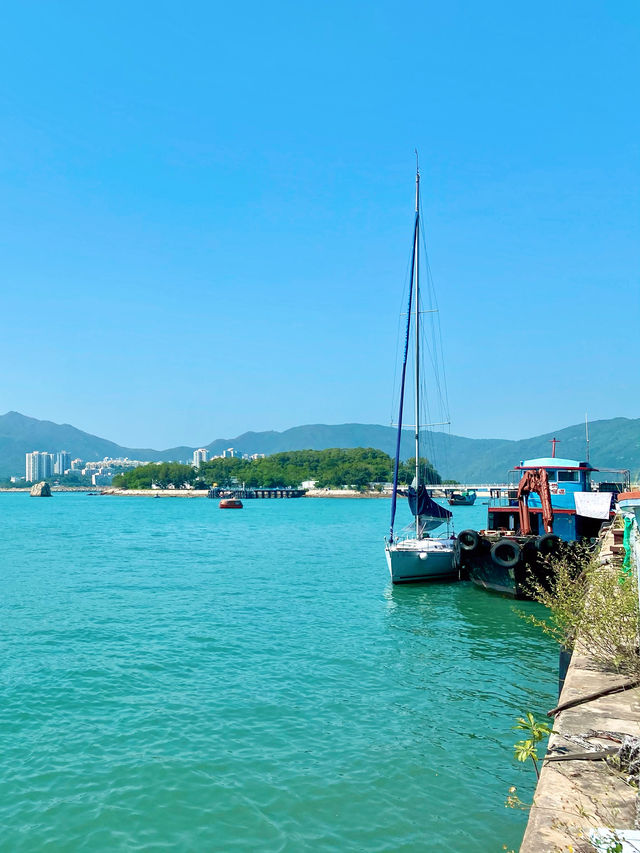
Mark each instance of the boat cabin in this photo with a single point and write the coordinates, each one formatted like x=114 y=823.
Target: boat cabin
x=580 y=500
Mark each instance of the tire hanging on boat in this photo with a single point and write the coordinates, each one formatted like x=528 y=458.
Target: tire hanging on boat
x=469 y=540
x=505 y=553
x=548 y=543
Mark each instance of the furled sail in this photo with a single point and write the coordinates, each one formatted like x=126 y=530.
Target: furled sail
x=422 y=504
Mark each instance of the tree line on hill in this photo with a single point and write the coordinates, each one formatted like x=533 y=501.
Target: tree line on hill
x=357 y=467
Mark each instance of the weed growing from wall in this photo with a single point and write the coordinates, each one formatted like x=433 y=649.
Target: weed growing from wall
x=592 y=601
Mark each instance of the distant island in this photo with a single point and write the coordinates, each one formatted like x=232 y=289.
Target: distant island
x=614 y=443
x=356 y=468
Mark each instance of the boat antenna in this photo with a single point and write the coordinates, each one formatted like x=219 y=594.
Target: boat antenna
x=586 y=429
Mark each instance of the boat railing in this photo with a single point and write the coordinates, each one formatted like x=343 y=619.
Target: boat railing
x=503 y=496
x=613 y=480
x=409 y=532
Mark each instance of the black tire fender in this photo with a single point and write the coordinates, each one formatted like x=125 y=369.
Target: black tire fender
x=468 y=540
x=548 y=543
x=506 y=553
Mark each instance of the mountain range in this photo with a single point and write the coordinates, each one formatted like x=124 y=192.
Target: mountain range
x=614 y=443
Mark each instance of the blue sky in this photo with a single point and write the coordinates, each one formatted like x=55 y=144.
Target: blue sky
x=207 y=211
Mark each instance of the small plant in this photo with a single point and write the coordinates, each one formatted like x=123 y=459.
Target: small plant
x=513 y=801
x=528 y=749
x=609 y=844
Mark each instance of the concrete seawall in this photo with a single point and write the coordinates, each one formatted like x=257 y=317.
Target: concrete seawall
x=574 y=797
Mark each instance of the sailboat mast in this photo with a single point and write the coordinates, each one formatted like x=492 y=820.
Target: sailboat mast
x=396 y=467
x=416 y=272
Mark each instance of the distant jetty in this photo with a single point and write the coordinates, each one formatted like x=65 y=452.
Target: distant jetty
x=257 y=494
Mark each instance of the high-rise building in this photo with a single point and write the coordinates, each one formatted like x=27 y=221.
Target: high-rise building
x=39 y=466
x=199 y=456
x=30 y=467
x=63 y=462
x=77 y=464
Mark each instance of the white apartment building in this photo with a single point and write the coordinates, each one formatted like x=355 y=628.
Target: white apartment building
x=38 y=466
x=199 y=455
x=62 y=463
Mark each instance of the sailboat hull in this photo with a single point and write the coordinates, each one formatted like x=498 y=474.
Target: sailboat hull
x=420 y=560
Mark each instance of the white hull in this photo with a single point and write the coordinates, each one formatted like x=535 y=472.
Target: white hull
x=414 y=560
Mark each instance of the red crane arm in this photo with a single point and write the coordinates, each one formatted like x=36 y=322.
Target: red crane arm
x=535 y=481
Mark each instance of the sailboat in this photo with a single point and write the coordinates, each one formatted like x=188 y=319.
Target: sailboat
x=415 y=555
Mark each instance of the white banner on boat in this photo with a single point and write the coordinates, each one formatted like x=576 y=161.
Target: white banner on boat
x=593 y=504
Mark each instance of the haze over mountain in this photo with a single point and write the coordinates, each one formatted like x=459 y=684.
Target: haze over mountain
x=614 y=443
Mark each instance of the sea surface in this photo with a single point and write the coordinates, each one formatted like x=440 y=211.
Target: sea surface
x=175 y=677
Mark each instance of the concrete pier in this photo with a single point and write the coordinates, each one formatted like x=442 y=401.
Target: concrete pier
x=574 y=797
x=248 y=494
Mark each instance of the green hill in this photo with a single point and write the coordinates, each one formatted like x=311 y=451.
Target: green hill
x=20 y=434
x=615 y=443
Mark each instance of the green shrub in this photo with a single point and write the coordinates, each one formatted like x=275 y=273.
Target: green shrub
x=594 y=602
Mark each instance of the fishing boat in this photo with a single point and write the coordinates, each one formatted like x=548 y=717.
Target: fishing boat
x=548 y=500
x=466 y=497
x=415 y=555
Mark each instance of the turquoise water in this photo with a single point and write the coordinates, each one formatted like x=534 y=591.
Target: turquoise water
x=180 y=678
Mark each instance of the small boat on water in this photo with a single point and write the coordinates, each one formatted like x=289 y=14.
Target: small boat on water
x=467 y=497
x=230 y=503
x=548 y=500
x=415 y=555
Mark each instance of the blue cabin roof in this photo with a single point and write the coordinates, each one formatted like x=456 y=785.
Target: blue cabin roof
x=554 y=462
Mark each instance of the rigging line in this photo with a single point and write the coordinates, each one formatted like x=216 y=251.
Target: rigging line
x=434 y=295
x=431 y=441
x=427 y=433
x=432 y=346
x=437 y=444
x=428 y=345
x=433 y=358
x=396 y=466
x=427 y=406
x=435 y=353
x=439 y=345
x=435 y=348
x=398 y=335
x=395 y=370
